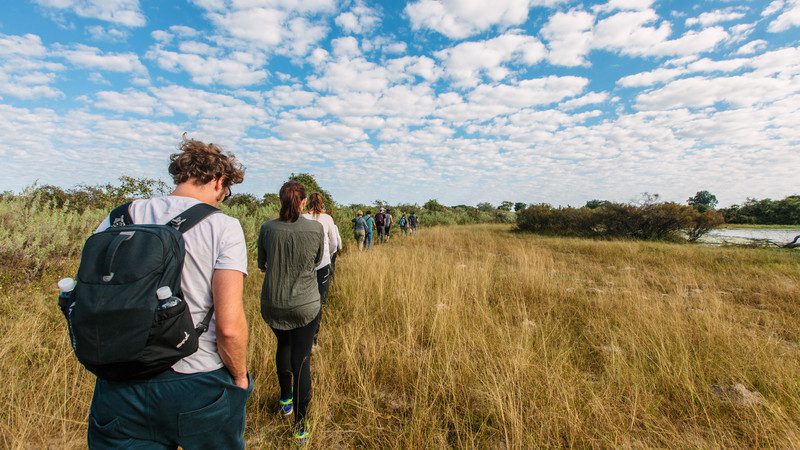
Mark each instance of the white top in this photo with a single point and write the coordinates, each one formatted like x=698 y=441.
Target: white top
x=331 y=239
x=338 y=238
x=215 y=243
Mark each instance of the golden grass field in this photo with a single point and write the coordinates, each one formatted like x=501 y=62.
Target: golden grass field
x=478 y=337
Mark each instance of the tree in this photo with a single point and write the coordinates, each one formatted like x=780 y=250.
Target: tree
x=486 y=207
x=519 y=206
x=433 y=205
x=505 y=205
x=703 y=201
x=271 y=199
x=592 y=204
x=307 y=180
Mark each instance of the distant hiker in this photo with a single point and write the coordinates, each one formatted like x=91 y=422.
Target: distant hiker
x=403 y=222
x=380 y=224
x=412 y=223
x=389 y=221
x=370 y=224
x=290 y=248
x=146 y=404
x=360 y=229
x=316 y=208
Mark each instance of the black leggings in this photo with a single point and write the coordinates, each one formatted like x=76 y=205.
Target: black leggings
x=323 y=281
x=293 y=360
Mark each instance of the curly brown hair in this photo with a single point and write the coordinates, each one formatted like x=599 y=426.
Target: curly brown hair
x=203 y=162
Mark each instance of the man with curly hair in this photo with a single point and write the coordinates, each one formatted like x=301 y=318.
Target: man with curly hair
x=200 y=401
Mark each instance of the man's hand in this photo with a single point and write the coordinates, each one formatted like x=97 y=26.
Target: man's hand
x=243 y=383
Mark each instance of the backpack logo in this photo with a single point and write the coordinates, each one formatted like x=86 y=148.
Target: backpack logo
x=118 y=222
x=177 y=222
x=185 y=338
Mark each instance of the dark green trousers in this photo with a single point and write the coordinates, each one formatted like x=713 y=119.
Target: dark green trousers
x=196 y=411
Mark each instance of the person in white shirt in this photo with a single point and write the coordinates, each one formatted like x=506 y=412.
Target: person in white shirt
x=316 y=208
x=187 y=405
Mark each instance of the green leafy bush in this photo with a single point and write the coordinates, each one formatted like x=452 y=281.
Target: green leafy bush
x=651 y=221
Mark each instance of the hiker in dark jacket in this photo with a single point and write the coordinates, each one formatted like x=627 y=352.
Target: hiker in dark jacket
x=380 y=224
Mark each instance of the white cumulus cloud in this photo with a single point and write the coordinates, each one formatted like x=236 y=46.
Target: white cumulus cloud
x=121 y=12
x=458 y=19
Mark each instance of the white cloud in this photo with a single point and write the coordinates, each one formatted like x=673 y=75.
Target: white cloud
x=624 y=5
x=107 y=34
x=316 y=131
x=466 y=62
x=741 y=31
x=537 y=91
x=262 y=26
x=290 y=27
x=130 y=101
x=359 y=19
x=788 y=18
x=773 y=7
x=121 y=12
x=93 y=58
x=699 y=92
x=345 y=46
x=24 y=70
x=458 y=19
x=714 y=17
x=649 y=78
x=351 y=75
x=752 y=47
x=590 y=98
x=569 y=37
x=415 y=66
x=236 y=70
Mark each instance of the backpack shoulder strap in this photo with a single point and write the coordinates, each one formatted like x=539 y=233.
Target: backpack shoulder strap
x=192 y=216
x=120 y=216
x=183 y=223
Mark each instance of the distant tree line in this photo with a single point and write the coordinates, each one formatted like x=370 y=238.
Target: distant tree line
x=109 y=195
x=765 y=211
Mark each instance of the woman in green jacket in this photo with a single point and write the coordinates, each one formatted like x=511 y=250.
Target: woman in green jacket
x=289 y=250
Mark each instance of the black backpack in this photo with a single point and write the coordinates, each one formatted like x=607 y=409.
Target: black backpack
x=114 y=325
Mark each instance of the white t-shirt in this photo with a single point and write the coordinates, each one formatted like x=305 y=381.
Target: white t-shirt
x=331 y=239
x=217 y=242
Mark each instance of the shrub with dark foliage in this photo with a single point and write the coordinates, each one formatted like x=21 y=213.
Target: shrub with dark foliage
x=652 y=221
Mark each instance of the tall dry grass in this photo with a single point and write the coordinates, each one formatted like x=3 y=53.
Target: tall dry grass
x=476 y=337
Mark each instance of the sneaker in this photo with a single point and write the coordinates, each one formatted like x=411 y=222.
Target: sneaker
x=286 y=407
x=301 y=436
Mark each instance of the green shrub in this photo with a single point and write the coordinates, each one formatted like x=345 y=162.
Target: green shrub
x=651 y=221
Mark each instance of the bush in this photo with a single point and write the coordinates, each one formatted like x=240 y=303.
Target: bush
x=106 y=196
x=651 y=221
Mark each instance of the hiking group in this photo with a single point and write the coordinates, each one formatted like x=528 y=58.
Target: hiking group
x=157 y=309
x=363 y=226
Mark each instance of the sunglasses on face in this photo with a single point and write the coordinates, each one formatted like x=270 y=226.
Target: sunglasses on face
x=228 y=195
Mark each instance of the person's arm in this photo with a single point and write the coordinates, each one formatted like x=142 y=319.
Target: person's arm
x=227 y=288
x=339 y=243
x=333 y=239
x=262 y=251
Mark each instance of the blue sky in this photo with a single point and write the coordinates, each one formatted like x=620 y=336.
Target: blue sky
x=460 y=100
